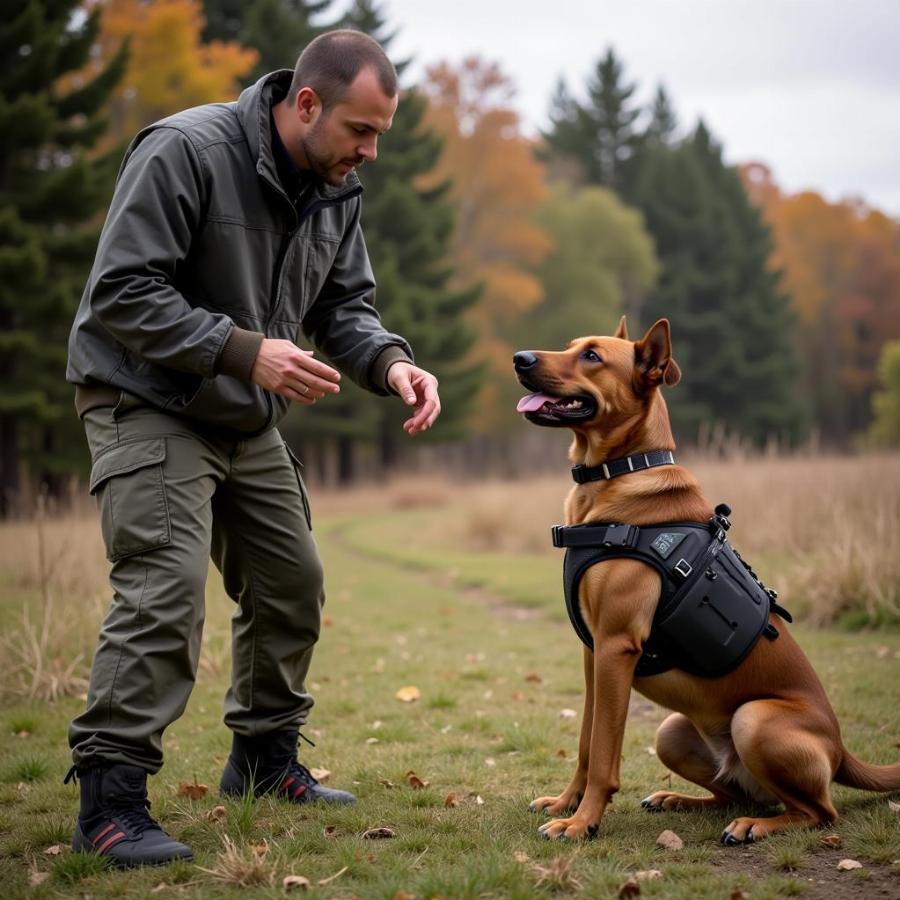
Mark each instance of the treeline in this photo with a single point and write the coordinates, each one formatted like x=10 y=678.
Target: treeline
x=483 y=240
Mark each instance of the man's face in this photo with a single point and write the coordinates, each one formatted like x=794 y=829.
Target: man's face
x=343 y=137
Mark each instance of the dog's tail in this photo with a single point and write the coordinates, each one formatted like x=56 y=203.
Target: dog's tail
x=854 y=773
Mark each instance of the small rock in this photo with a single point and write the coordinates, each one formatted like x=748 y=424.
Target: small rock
x=669 y=841
x=845 y=865
x=292 y=882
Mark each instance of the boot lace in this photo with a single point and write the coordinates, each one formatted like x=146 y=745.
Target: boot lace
x=133 y=814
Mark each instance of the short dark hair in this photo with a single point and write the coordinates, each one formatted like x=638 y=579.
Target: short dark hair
x=331 y=62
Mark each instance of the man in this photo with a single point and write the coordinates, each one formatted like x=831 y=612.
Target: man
x=233 y=227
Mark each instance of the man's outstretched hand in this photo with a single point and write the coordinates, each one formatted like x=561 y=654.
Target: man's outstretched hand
x=419 y=389
x=283 y=368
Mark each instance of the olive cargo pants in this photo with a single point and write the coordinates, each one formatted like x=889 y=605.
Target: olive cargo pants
x=172 y=494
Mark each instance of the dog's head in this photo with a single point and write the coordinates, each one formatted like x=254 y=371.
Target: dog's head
x=596 y=381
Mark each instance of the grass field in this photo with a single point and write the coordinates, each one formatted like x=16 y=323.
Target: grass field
x=437 y=587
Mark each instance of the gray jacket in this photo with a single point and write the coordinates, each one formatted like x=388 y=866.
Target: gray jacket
x=203 y=255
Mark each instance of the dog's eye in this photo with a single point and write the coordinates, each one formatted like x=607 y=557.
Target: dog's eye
x=590 y=356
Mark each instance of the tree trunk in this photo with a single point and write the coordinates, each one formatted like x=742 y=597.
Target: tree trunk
x=9 y=465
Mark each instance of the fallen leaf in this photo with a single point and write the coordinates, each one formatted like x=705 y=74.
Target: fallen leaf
x=893 y=807
x=567 y=713
x=36 y=878
x=561 y=754
x=377 y=724
x=379 y=834
x=388 y=784
x=415 y=782
x=670 y=841
x=479 y=800
x=629 y=888
x=408 y=694
x=738 y=894
x=216 y=814
x=845 y=865
x=650 y=750
x=372 y=740
x=330 y=831
x=520 y=856
x=320 y=774
x=259 y=849
x=403 y=895
x=23 y=734
x=327 y=620
x=194 y=791
x=834 y=841
x=54 y=850
x=158 y=889
x=292 y=882
x=451 y=800
x=331 y=878
x=534 y=678
x=648 y=875
x=490 y=762
x=517 y=695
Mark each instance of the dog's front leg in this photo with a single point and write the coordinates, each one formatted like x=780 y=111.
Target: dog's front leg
x=569 y=799
x=614 y=661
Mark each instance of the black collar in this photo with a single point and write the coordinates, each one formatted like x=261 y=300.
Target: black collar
x=582 y=474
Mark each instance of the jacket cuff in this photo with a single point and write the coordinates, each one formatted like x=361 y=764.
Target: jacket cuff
x=380 y=365
x=239 y=353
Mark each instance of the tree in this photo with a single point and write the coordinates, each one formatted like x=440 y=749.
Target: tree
x=841 y=264
x=408 y=227
x=600 y=134
x=170 y=68
x=49 y=197
x=602 y=263
x=277 y=29
x=497 y=186
x=885 y=429
x=733 y=328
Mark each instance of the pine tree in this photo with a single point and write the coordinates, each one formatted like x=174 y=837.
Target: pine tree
x=50 y=194
x=601 y=134
x=277 y=29
x=408 y=232
x=732 y=327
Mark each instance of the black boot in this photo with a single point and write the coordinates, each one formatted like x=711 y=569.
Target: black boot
x=267 y=764
x=114 y=819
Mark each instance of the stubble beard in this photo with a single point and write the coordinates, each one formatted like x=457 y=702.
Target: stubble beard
x=322 y=163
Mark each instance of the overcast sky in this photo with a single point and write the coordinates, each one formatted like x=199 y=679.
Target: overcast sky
x=810 y=87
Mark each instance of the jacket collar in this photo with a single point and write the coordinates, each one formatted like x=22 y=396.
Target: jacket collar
x=254 y=113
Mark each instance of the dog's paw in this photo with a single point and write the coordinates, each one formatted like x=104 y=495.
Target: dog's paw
x=667 y=801
x=556 y=806
x=741 y=831
x=574 y=828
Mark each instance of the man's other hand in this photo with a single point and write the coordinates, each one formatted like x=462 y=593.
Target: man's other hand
x=419 y=389
x=283 y=368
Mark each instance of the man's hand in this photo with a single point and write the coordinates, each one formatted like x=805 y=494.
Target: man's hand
x=419 y=389
x=283 y=368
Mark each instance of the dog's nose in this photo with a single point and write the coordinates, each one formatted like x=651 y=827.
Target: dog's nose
x=524 y=360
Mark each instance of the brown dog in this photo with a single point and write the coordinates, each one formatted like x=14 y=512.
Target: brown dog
x=765 y=731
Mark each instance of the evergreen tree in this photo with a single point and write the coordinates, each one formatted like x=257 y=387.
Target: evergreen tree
x=601 y=134
x=277 y=29
x=732 y=328
x=408 y=231
x=50 y=195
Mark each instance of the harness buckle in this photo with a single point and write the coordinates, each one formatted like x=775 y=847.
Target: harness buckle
x=683 y=568
x=556 y=533
x=579 y=475
x=620 y=536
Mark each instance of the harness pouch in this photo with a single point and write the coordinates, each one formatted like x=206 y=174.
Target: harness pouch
x=715 y=620
x=127 y=480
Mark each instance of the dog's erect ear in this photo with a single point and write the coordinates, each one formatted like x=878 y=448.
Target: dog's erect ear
x=653 y=356
x=622 y=330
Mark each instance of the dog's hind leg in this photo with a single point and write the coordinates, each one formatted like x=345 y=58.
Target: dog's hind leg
x=569 y=799
x=681 y=748
x=792 y=754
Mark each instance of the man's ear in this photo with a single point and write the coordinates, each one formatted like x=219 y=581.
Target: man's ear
x=308 y=105
x=622 y=330
x=653 y=356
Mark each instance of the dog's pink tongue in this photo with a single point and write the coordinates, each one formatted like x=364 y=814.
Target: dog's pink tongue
x=533 y=402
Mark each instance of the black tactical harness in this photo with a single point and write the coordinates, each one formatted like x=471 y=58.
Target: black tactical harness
x=712 y=608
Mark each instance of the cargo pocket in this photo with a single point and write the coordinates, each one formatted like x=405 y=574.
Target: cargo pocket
x=127 y=480
x=304 y=496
